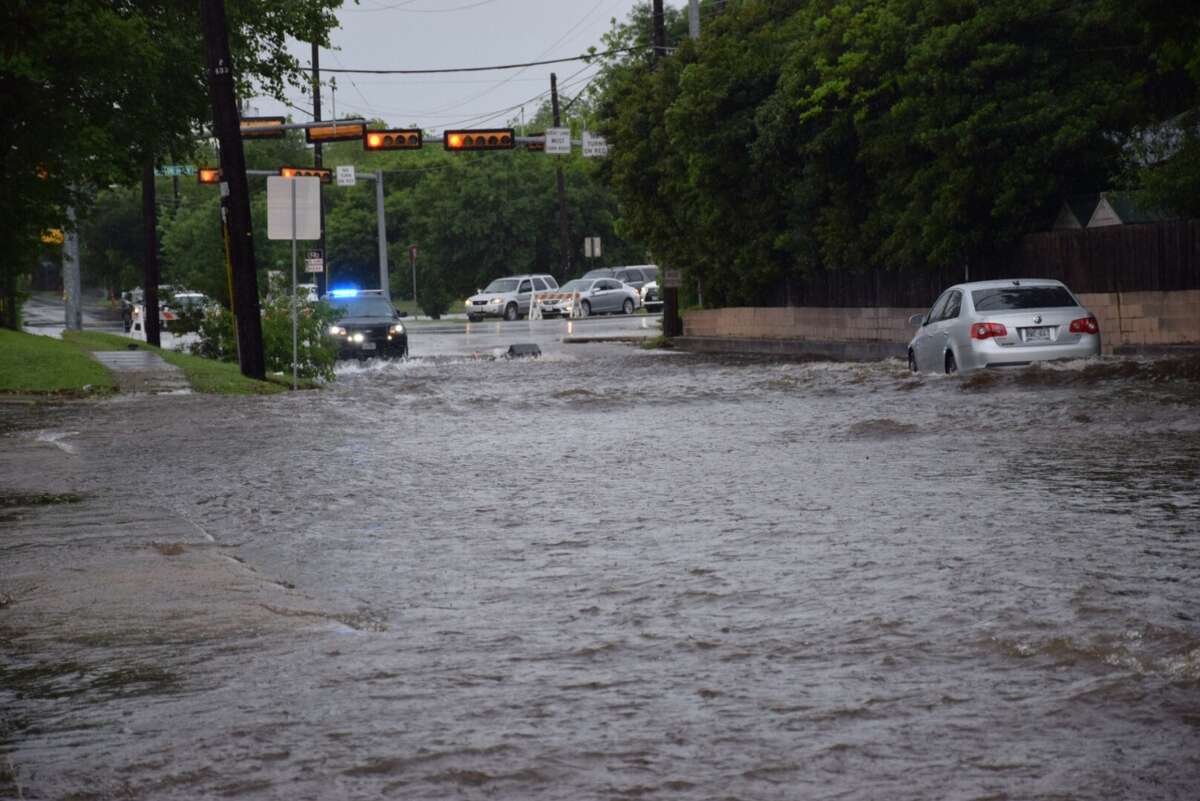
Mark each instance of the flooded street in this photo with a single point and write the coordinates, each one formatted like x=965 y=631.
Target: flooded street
x=609 y=573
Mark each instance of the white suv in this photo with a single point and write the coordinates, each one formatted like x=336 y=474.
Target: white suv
x=508 y=297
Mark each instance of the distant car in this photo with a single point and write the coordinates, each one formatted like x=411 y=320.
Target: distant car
x=636 y=276
x=651 y=298
x=584 y=297
x=1002 y=323
x=367 y=324
x=508 y=297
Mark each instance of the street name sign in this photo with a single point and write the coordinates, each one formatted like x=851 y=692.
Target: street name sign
x=558 y=141
x=345 y=175
x=672 y=279
x=174 y=170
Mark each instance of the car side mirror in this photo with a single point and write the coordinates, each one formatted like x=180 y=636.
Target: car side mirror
x=400 y=314
x=917 y=319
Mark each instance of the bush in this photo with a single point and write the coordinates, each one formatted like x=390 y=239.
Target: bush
x=315 y=351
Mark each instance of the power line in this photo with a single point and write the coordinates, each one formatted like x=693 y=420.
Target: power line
x=401 y=8
x=583 y=57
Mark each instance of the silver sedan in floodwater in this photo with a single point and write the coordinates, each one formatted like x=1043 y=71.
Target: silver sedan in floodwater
x=1002 y=323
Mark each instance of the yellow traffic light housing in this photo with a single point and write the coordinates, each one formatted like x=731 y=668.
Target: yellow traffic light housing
x=394 y=139
x=479 y=139
x=262 y=127
x=208 y=175
x=331 y=132
x=325 y=175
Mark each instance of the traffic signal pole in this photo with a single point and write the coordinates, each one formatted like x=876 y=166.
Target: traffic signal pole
x=564 y=239
x=318 y=155
x=150 y=320
x=226 y=126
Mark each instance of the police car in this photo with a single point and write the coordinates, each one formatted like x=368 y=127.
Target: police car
x=367 y=324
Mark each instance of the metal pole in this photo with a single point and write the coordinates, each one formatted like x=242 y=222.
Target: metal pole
x=658 y=31
x=317 y=162
x=564 y=238
x=72 y=285
x=233 y=169
x=694 y=19
x=412 y=259
x=150 y=323
x=295 y=350
x=383 y=259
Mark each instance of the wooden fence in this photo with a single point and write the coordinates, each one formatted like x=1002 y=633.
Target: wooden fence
x=1123 y=258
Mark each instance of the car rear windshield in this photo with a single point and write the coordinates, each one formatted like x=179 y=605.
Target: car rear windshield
x=1021 y=297
x=369 y=306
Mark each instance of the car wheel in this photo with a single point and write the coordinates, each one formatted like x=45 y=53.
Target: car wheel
x=627 y=306
x=585 y=308
x=912 y=362
x=951 y=364
x=511 y=312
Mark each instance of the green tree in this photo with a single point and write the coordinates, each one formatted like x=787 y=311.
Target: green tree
x=89 y=91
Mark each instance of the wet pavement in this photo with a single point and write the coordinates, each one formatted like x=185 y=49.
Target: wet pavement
x=608 y=573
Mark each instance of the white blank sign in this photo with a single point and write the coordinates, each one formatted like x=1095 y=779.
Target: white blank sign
x=279 y=207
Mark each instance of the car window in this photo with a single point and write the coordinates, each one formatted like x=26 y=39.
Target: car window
x=501 y=285
x=539 y=284
x=524 y=287
x=935 y=313
x=632 y=276
x=550 y=282
x=1021 y=297
x=608 y=284
x=953 y=306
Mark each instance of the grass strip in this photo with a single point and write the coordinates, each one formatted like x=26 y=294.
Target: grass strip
x=205 y=375
x=32 y=363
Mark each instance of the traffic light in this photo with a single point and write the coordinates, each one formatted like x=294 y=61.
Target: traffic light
x=261 y=127
x=208 y=175
x=325 y=175
x=398 y=139
x=342 y=131
x=479 y=139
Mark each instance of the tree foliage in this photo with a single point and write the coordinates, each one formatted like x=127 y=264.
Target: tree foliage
x=876 y=134
x=89 y=91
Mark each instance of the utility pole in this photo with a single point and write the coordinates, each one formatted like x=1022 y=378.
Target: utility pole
x=150 y=276
x=72 y=285
x=672 y=326
x=322 y=281
x=694 y=19
x=233 y=170
x=564 y=239
x=659 y=31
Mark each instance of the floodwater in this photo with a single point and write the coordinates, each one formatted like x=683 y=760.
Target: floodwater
x=611 y=573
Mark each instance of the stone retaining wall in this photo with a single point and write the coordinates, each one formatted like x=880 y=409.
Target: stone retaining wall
x=1129 y=321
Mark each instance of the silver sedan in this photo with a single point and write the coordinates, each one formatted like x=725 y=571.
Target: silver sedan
x=1002 y=323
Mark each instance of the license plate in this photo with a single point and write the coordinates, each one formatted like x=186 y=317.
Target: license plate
x=368 y=346
x=1037 y=334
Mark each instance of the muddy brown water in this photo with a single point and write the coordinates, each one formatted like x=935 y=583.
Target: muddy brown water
x=609 y=574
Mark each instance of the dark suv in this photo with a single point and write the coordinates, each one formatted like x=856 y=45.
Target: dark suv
x=367 y=324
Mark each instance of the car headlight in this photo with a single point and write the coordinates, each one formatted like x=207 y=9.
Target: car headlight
x=357 y=337
x=337 y=330
x=467 y=303
x=396 y=329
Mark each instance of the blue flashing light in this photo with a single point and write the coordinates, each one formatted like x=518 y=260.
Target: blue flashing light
x=343 y=293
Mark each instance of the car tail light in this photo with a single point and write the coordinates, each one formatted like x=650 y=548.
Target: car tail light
x=986 y=330
x=1085 y=325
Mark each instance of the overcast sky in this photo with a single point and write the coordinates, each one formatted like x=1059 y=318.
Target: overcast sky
x=436 y=34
